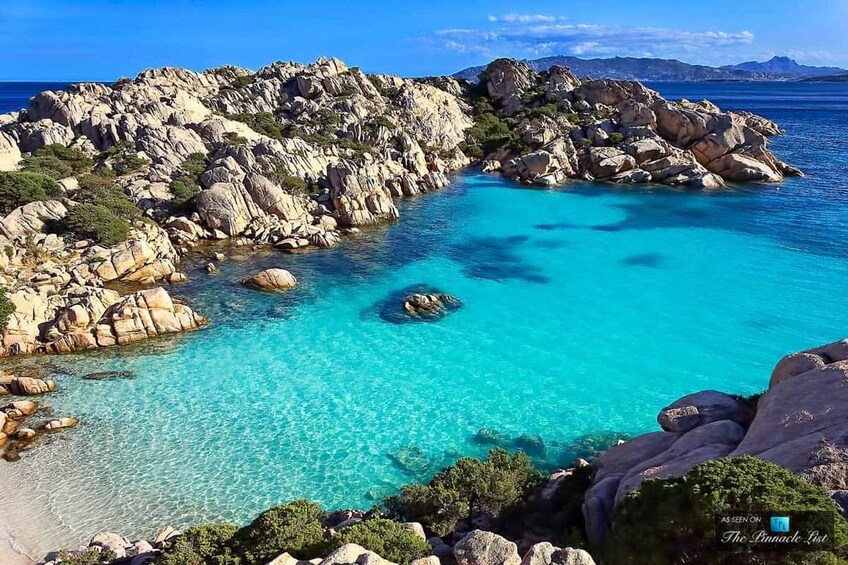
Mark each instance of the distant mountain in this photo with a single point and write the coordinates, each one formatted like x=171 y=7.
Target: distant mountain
x=783 y=67
x=646 y=69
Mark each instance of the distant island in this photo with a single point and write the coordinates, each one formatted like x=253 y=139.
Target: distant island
x=658 y=70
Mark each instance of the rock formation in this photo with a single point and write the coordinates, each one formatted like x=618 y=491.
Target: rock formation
x=433 y=305
x=272 y=280
x=798 y=423
x=620 y=131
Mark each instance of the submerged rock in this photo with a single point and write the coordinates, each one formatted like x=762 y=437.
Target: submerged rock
x=109 y=375
x=413 y=460
x=429 y=306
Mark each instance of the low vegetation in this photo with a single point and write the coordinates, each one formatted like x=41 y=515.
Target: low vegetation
x=123 y=159
x=670 y=518
x=493 y=487
x=261 y=122
x=104 y=212
x=58 y=161
x=22 y=187
x=186 y=185
x=6 y=308
x=293 y=528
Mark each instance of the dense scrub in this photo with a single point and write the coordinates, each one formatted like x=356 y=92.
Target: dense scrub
x=294 y=528
x=492 y=488
x=6 y=308
x=673 y=520
x=22 y=187
x=186 y=185
x=58 y=161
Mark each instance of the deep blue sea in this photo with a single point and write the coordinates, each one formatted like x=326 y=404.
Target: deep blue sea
x=586 y=310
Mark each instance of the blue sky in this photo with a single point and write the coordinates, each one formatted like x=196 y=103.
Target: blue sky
x=103 y=40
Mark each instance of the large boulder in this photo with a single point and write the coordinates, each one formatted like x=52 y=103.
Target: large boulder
x=703 y=408
x=545 y=553
x=272 y=280
x=31 y=218
x=485 y=548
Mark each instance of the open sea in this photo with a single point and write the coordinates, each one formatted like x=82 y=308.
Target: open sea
x=586 y=310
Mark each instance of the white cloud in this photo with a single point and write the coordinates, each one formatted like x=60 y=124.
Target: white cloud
x=524 y=18
x=534 y=35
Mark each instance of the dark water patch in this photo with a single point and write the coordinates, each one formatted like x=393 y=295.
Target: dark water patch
x=496 y=258
x=555 y=226
x=652 y=260
x=607 y=228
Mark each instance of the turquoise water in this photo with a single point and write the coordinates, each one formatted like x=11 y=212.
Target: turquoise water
x=586 y=310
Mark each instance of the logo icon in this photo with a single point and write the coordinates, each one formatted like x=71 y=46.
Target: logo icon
x=779 y=524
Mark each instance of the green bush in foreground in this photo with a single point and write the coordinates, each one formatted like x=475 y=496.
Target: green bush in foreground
x=673 y=520
x=97 y=222
x=201 y=545
x=387 y=538
x=491 y=487
x=88 y=557
x=6 y=308
x=21 y=187
x=294 y=528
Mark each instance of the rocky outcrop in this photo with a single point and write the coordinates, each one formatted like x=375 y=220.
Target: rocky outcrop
x=31 y=218
x=430 y=306
x=623 y=133
x=797 y=423
x=272 y=280
x=89 y=317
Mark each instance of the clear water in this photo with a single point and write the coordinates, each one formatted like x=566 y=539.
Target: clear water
x=586 y=309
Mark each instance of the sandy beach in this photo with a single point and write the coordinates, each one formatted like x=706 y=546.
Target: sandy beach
x=28 y=527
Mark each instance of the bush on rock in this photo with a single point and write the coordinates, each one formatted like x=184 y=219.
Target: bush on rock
x=20 y=187
x=471 y=487
x=200 y=545
x=93 y=221
x=6 y=308
x=670 y=519
x=387 y=538
x=294 y=528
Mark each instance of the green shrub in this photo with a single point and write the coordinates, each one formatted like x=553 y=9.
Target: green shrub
x=491 y=487
x=292 y=183
x=387 y=538
x=97 y=222
x=102 y=191
x=326 y=117
x=489 y=132
x=19 y=188
x=669 y=519
x=616 y=138
x=200 y=545
x=242 y=81
x=579 y=97
x=261 y=122
x=58 y=161
x=124 y=159
x=294 y=528
x=384 y=121
x=90 y=556
x=6 y=308
x=584 y=142
x=232 y=138
x=187 y=185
